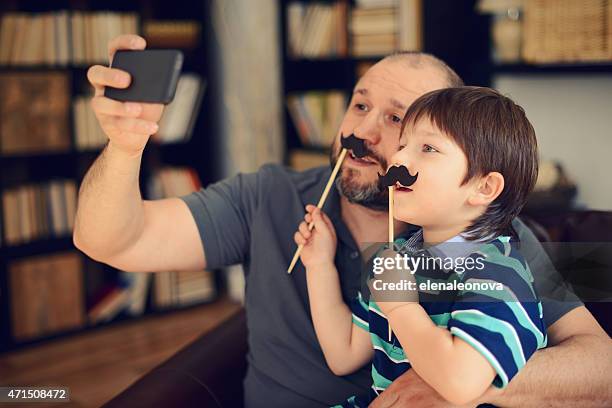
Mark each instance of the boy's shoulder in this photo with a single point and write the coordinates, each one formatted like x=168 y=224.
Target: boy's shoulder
x=500 y=260
x=502 y=252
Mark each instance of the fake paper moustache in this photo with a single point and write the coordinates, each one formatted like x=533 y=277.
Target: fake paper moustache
x=354 y=144
x=395 y=174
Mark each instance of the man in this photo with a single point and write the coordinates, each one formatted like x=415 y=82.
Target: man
x=251 y=219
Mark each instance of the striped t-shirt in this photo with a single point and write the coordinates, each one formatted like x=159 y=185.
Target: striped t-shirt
x=506 y=326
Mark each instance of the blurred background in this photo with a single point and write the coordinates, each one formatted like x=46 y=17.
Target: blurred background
x=263 y=81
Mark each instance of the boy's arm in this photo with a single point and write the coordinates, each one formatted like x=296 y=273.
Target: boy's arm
x=574 y=371
x=345 y=346
x=448 y=364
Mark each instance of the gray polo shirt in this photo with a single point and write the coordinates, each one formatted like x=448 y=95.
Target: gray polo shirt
x=250 y=219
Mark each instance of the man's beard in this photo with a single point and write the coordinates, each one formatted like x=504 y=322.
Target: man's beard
x=369 y=194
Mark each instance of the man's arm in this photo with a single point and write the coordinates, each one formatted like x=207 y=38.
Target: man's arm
x=574 y=371
x=113 y=224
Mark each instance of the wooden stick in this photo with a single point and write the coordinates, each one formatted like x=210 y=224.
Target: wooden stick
x=341 y=157
x=391 y=239
x=391 y=232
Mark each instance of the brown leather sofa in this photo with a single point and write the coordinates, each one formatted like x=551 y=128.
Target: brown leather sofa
x=199 y=375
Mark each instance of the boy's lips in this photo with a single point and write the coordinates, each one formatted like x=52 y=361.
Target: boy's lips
x=400 y=188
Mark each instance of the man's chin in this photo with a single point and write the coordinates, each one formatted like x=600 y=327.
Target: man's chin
x=365 y=193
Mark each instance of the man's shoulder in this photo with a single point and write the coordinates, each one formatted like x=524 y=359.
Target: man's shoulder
x=278 y=176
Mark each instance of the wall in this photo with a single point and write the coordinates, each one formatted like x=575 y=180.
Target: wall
x=572 y=116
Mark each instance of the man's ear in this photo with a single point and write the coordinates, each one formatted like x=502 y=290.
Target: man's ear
x=487 y=189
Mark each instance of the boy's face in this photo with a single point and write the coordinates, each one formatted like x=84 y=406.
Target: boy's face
x=437 y=201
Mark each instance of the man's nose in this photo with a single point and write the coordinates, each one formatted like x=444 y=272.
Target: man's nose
x=369 y=128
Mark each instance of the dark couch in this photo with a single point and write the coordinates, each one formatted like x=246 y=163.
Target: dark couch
x=200 y=376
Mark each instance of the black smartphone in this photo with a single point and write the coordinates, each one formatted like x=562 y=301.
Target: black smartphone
x=154 y=75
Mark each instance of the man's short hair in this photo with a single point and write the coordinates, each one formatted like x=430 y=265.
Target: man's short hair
x=496 y=136
x=417 y=59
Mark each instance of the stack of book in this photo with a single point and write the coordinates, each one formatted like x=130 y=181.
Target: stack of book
x=88 y=134
x=301 y=160
x=179 y=117
x=34 y=112
x=174 y=289
x=317 y=116
x=38 y=211
x=380 y=27
x=126 y=294
x=46 y=295
x=61 y=37
x=317 y=30
x=27 y=39
x=171 y=33
x=91 y=33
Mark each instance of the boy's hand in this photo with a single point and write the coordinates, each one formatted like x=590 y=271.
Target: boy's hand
x=128 y=125
x=320 y=243
x=389 y=299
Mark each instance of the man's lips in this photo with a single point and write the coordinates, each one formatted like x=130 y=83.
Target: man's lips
x=364 y=161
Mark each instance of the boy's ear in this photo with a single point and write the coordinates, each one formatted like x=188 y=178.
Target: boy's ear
x=488 y=188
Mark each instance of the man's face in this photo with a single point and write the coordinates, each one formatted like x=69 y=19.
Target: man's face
x=437 y=198
x=378 y=104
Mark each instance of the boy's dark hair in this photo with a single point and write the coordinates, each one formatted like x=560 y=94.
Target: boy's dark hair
x=495 y=135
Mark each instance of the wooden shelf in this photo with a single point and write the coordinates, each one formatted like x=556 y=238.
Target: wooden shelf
x=554 y=69
x=37 y=247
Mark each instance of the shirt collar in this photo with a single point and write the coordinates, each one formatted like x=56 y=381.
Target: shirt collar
x=453 y=248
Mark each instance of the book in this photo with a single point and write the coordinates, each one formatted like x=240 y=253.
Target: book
x=34 y=112
x=172 y=33
x=316 y=30
x=378 y=28
x=179 y=117
x=88 y=133
x=37 y=211
x=46 y=295
x=317 y=115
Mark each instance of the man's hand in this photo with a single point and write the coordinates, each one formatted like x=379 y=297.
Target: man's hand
x=409 y=391
x=320 y=243
x=127 y=124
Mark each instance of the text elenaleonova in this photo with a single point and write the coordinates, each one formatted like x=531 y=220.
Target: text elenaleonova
x=404 y=263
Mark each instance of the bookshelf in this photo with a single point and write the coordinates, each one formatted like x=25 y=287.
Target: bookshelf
x=325 y=45
x=453 y=30
x=44 y=250
x=412 y=24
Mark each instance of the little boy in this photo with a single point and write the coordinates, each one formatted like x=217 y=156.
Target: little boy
x=470 y=156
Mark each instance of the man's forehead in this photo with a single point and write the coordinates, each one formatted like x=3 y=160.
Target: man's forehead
x=391 y=99
x=398 y=84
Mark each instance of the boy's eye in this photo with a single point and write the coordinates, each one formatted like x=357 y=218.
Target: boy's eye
x=401 y=147
x=361 y=107
x=396 y=119
x=429 y=149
